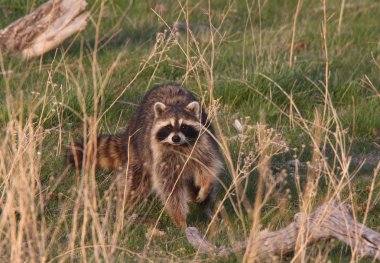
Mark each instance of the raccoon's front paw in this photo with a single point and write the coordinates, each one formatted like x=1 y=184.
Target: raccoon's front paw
x=202 y=195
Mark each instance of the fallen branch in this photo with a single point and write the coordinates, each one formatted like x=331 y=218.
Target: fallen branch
x=45 y=28
x=332 y=220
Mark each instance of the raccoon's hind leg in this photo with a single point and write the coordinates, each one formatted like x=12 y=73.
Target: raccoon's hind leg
x=133 y=183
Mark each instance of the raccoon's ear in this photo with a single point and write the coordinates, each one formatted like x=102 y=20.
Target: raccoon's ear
x=194 y=108
x=159 y=107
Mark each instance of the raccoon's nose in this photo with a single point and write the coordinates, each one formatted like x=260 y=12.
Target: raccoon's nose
x=176 y=138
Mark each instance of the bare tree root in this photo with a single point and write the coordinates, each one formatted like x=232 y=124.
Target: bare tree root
x=45 y=28
x=331 y=220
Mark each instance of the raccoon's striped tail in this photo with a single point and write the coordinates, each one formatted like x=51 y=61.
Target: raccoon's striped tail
x=111 y=153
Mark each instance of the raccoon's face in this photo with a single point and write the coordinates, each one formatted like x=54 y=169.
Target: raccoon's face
x=177 y=125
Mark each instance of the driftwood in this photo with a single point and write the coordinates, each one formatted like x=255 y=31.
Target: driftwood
x=45 y=28
x=332 y=220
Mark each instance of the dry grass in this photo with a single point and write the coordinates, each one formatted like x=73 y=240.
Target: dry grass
x=86 y=220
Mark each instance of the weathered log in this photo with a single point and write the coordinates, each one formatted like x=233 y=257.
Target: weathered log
x=331 y=220
x=45 y=28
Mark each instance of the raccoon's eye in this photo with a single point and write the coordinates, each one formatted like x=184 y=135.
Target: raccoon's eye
x=184 y=127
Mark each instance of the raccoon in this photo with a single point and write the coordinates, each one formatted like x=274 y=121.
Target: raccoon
x=168 y=147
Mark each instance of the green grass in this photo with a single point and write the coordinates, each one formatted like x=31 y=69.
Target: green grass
x=251 y=57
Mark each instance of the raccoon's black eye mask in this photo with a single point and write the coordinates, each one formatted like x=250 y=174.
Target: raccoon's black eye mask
x=168 y=127
x=190 y=133
x=164 y=132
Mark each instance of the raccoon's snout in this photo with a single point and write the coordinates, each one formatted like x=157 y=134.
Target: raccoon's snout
x=176 y=139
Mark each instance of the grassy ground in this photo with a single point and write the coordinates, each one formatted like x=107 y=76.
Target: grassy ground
x=241 y=69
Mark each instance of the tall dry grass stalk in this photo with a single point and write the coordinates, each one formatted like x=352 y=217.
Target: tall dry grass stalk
x=296 y=13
